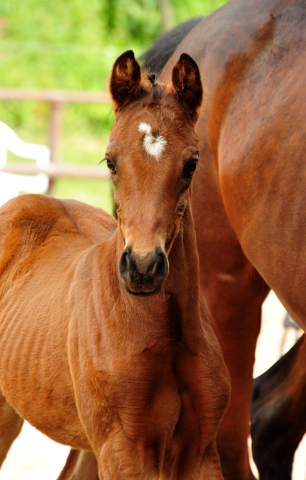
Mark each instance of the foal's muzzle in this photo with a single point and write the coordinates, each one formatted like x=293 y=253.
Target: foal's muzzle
x=143 y=275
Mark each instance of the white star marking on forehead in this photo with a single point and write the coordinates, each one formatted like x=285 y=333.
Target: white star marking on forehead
x=153 y=145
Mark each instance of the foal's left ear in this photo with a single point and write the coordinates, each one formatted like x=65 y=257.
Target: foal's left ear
x=186 y=80
x=125 y=78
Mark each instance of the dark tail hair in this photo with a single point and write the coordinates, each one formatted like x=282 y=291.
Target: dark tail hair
x=275 y=374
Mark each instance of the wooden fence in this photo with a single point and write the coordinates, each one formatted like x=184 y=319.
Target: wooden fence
x=57 y=99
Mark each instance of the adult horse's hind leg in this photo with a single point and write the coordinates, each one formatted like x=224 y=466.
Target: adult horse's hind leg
x=80 y=465
x=10 y=427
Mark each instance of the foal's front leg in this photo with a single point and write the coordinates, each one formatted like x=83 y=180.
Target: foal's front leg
x=10 y=427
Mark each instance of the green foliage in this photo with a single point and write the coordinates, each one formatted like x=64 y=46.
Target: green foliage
x=128 y=21
x=185 y=10
x=72 y=44
x=66 y=44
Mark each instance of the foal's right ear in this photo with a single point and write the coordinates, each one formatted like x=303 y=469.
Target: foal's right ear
x=186 y=81
x=125 y=78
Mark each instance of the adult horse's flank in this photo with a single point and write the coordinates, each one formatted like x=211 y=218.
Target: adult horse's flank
x=249 y=201
x=104 y=344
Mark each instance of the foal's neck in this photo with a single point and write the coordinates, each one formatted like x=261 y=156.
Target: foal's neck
x=176 y=306
x=183 y=277
x=183 y=281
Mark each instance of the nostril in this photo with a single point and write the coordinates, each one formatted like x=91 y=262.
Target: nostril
x=158 y=267
x=161 y=265
x=124 y=263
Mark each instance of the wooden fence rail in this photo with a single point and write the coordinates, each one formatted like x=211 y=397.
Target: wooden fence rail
x=57 y=98
x=56 y=170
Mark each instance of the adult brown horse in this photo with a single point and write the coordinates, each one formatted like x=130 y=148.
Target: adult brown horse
x=248 y=202
x=104 y=343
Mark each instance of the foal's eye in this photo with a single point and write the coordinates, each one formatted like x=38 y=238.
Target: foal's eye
x=110 y=165
x=189 y=169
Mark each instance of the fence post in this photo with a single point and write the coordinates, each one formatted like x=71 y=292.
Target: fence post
x=55 y=125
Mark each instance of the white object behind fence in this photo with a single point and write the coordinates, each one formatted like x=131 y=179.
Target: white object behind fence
x=12 y=184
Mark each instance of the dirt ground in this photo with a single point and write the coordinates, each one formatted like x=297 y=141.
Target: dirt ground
x=35 y=457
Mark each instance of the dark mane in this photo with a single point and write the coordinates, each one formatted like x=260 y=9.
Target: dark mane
x=156 y=57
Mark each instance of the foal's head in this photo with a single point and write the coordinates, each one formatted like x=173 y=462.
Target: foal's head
x=152 y=156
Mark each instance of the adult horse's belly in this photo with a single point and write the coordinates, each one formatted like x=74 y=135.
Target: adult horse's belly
x=34 y=370
x=262 y=167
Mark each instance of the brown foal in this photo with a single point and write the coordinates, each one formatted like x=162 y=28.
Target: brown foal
x=104 y=343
